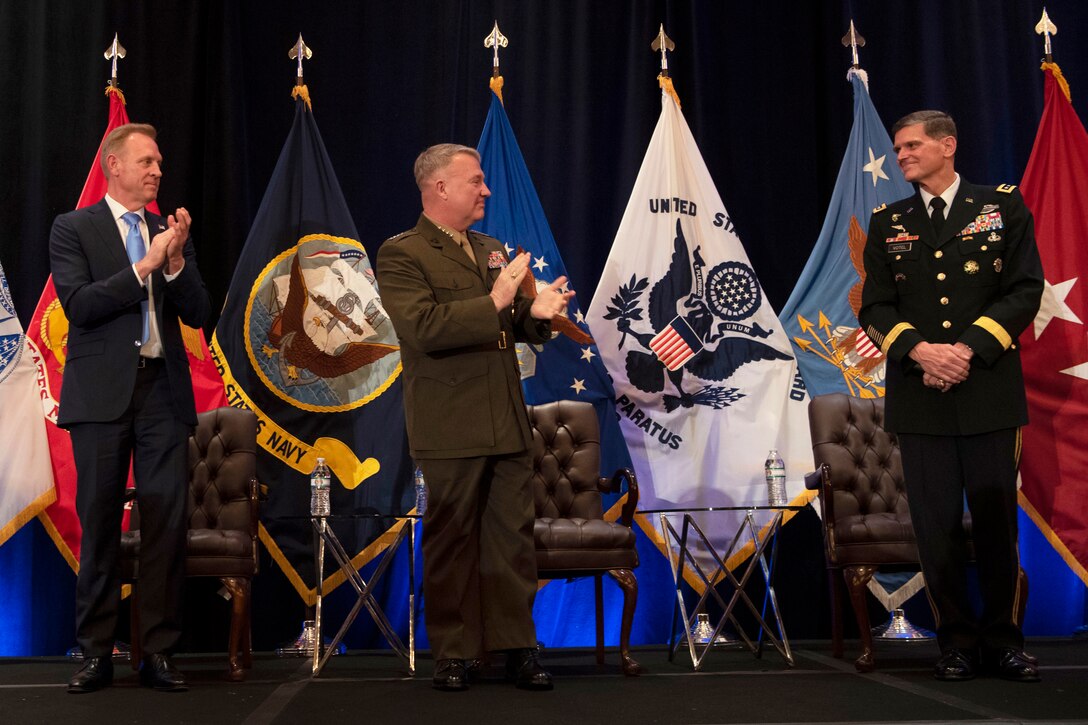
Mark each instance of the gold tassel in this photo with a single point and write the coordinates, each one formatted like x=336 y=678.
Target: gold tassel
x=1062 y=83
x=304 y=93
x=666 y=85
x=496 y=86
x=117 y=91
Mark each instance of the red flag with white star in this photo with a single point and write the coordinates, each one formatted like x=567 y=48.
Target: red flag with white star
x=1055 y=349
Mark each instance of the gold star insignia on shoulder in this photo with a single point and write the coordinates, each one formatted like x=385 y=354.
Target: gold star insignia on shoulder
x=880 y=208
x=1006 y=188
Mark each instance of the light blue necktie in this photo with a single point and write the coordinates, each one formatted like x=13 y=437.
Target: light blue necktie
x=134 y=243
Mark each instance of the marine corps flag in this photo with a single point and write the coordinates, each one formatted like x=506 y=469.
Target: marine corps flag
x=48 y=338
x=704 y=374
x=821 y=315
x=1055 y=349
x=569 y=367
x=304 y=342
x=26 y=476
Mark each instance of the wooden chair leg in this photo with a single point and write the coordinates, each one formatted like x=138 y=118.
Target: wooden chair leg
x=626 y=579
x=834 y=586
x=857 y=578
x=238 y=654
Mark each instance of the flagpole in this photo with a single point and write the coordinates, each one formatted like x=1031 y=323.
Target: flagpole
x=299 y=52
x=495 y=40
x=663 y=43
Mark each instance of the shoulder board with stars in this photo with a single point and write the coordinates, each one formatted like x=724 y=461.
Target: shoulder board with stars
x=397 y=236
x=1006 y=188
x=880 y=208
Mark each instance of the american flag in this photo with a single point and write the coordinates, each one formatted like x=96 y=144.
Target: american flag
x=676 y=344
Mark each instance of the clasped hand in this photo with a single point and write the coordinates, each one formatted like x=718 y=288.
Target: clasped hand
x=167 y=247
x=549 y=301
x=943 y=365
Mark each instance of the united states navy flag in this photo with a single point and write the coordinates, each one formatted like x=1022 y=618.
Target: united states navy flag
x=821 y=315
x=304 y=342
x=569 y=367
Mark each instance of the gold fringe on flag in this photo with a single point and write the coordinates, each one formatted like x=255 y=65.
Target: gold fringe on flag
x=496 y=87
x=1064 y=84
x=666 y=85
x=304 y=93
x=116 y=91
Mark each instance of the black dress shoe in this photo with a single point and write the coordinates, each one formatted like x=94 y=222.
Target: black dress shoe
x=450 y=675
x=954 y=665
x=1017 y=666
x=523 y=667
x=96 y=673
x=158 y=671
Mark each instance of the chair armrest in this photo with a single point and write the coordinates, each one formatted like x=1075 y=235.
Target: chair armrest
x=615 y=485
x=822 y=483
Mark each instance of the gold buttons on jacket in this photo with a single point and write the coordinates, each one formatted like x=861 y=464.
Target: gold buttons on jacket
x=941 y=276
x=984 y=247
x=946 y=324
x=944 y=300
x=938 y=254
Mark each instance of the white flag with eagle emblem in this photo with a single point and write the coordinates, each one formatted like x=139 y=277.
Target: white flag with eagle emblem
x=705 y=377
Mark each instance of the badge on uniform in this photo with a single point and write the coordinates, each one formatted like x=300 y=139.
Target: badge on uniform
x=897 y=246
x=984 y=223
x=997 y=264
x=970 y=266
x=496 y=260
x=994 y=237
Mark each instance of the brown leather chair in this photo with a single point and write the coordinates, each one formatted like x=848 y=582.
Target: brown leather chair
x=222 y=537
x=863 y=498
x=572 y=538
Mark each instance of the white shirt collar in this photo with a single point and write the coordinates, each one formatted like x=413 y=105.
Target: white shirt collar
x=948 y=195
x=118 y=210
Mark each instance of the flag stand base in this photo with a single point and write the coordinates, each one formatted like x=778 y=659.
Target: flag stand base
x=303 y=645
x=898 y=627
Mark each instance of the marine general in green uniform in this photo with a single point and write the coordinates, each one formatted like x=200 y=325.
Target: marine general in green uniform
x=454 y=299
x=952 y=278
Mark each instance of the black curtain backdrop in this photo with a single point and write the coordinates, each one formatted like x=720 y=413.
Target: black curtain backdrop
x=762 y=85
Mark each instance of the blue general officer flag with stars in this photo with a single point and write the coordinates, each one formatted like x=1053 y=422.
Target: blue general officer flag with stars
x=820 y=317
x=569 y=367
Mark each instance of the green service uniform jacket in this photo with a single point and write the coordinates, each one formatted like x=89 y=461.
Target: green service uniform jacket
x=978 y=282
x=462 y=385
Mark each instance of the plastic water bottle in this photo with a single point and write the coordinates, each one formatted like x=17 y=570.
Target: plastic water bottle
x=421 y=492
x=320 y=486
x=775 y=470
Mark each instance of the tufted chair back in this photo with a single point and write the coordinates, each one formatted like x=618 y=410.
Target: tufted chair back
x=862 y=495
x=223 y=508
x=571 y=535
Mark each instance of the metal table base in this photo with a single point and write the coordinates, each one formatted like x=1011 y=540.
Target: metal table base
x=325 y=537
x=761 y=558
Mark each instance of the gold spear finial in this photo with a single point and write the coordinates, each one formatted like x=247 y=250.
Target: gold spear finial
x=1046 y=28
x=113 y=52
x=663 y=43
x=853 y=41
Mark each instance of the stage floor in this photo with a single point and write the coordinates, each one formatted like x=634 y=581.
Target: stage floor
x=732 y=687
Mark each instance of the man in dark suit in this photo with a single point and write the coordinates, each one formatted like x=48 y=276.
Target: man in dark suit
x=454 y=300
x=124 y=276
x=952 y=278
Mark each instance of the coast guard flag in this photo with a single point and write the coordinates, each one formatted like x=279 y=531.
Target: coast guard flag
x=26 y=475
x=1055 y=349
x=304 y=342
x=821 y=315
x=704 y=374
x=569 y=367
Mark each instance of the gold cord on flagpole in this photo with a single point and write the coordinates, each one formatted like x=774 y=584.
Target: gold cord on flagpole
x=1062 y=83
x=666 y=85
x=115 y=90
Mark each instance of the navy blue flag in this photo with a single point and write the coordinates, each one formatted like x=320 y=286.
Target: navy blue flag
x=821 y=315
x=304 y=342
x=569 y=367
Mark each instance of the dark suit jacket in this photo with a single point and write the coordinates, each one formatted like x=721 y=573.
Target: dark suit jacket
x=462 y=387
x=979 y=282
x=101 y=297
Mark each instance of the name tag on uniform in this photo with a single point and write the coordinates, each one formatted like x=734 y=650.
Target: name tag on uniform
x=894 y=247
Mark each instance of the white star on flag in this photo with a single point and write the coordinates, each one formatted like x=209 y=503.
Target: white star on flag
x=873 y=167
x=540 y=264
x=509 y=249
x=1054 y=305
x=1077 y=371
x=579 y=386
x=580 y=318
x=588 y=354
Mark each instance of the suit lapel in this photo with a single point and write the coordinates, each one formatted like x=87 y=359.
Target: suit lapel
x=112 y=244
